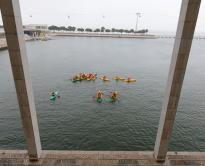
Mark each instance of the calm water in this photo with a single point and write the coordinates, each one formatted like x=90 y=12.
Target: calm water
x=77 y=122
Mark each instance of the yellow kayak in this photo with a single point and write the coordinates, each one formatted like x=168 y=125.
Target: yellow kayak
x=118 y=78
x=129 y=81
x=91 y=79
x=104 y=79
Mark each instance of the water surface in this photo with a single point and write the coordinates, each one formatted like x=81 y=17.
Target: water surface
x=77 y=122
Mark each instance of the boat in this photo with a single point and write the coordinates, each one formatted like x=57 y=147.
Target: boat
x=118 y=78
x=130 y=80
x=104 y=79
x=54 y=95
x=99 y=100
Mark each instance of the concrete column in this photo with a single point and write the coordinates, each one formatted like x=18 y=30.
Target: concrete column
x=186 y=26
x=11 y=16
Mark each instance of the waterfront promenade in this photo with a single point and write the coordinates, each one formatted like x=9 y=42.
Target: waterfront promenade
x=101 y=158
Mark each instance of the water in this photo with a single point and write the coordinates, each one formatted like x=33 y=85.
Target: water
x=77 y=122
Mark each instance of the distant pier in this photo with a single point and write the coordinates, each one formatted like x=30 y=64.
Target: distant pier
x=3 y=43
x=107 y=35
x=118 y=35
x=173 y=37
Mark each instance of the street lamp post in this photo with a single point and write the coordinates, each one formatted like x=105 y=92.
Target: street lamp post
x=138 y=15
x=68 y=19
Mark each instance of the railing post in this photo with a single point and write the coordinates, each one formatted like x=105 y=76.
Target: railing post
x=183 y=41
x=11 y=16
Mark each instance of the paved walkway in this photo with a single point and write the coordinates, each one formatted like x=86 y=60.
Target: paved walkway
x=101 y=158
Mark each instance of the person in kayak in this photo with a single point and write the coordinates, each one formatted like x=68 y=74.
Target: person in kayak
x=114 y=96
x=76 y=77
x=99 y=95
x=128 y=79
x=104 y=77
x=53 y=95
x=93 y=76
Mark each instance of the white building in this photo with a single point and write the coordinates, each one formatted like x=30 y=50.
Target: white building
x=41 y=27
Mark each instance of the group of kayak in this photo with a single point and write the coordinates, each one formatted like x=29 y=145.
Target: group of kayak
x=84 y=76
x=113 y=97
x=117 y=78
x=93 y=77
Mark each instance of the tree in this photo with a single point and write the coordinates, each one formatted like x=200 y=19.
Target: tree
x=80 y=30
x=107 y=30
x=97 y=30
x=88 y=30
x=113 y=30
x=132 y=31
x=70 y=28
x=63 y=28
x=102 y=29
x=142 y=31
x=121 y=30
x=53 y=27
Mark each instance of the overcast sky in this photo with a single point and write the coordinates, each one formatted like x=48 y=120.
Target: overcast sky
x=157 y=15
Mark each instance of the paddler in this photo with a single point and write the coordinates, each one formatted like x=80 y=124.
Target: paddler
x=114 y=95
x=129 y=79
x=76 y=77
x=99 y=95
x=93 y=76
x=104 y=78
x=53 y=94
x=90 y=76
x=81 y=75
x=117 y=78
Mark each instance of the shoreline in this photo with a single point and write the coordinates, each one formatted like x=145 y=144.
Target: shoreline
x=106 y=35
x=3 y=43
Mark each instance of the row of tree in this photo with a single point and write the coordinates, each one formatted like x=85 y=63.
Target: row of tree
x=102 y=29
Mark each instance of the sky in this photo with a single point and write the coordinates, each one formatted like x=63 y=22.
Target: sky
x=156 y=15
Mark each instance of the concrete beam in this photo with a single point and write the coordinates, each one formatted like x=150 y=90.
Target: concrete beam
x=186 y=26
x=11 y=16
x=101 y=158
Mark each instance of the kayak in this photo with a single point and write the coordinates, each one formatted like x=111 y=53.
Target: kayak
x=99 y=100
x=118 y=78
x=113 y=100
x=106 y=79
x=75 y=80
x=129 y=81
x=91 y=79
x=52 y=98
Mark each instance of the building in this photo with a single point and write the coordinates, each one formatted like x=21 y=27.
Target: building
x=35 y=30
